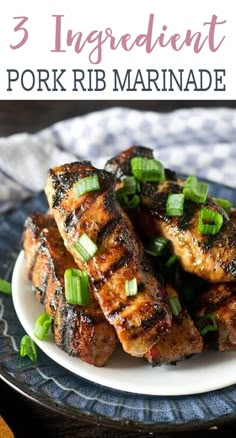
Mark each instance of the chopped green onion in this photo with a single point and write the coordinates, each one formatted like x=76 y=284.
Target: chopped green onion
x=28 y=348
x=146 y=169
x=175 y=305
x=129 y=187
x=76 y=287
x=85 y=248
x=126 y=195
x=131 y=287
x=207 y=323
x=157 y=246
x=224 y=203
x=131 y=201
x=209 y=221
x=86 y=185
x=195 y=190
x=173 y=258
x=42 y=326
x=175 y=204
x=5 y=287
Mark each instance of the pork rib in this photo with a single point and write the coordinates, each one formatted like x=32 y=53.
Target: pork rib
x=80 y=331
x=211 y=257
x=182 y=341
x=139 y=319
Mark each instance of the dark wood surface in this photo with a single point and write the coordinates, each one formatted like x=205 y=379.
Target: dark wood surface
x=30 y=116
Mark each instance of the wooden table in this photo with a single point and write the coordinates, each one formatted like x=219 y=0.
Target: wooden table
x=31 y=116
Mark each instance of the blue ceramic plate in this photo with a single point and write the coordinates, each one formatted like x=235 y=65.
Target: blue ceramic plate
x=53 y=386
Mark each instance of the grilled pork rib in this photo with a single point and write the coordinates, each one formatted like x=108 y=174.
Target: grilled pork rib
x=219 y=300
x=81 y=331
x=139 y=319
x=211 y=257
x=182 y=341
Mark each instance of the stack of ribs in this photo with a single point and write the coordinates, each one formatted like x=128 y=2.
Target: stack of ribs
x=210 y=257
x=142 y=323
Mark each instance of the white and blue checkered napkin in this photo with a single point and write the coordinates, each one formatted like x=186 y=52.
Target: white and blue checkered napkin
x=191 y=141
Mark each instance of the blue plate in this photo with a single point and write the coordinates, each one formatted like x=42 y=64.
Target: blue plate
x=51 y=385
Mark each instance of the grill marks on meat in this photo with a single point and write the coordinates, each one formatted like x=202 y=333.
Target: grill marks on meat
x=210 y=257
x=35 y=243
x=182 y=341
x=81 y=331
x=139 y=320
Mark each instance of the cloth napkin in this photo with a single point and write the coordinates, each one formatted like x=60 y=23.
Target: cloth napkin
x=191 y=141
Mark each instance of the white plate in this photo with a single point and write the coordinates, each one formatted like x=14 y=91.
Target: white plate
x=206 y=372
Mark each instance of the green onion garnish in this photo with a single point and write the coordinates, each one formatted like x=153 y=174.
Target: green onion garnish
x=76 y=287
x=207 y=323
x=146 y=169
x=129 y=187
x=209 y=221
x=131 y=287
x=157 y=246
x=87 y=184
x=85 y=248
x=175 y=204
x=131 y=201
x=28 y=348
x=195 y=190
x=5 y=287
x=172 y=259
x=127 y=195
x=175 y=305
x=224 y=203
x=42 y=326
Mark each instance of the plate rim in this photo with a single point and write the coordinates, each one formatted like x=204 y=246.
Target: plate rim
x=101 y=420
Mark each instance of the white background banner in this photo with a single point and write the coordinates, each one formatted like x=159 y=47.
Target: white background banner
x=172 y=49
